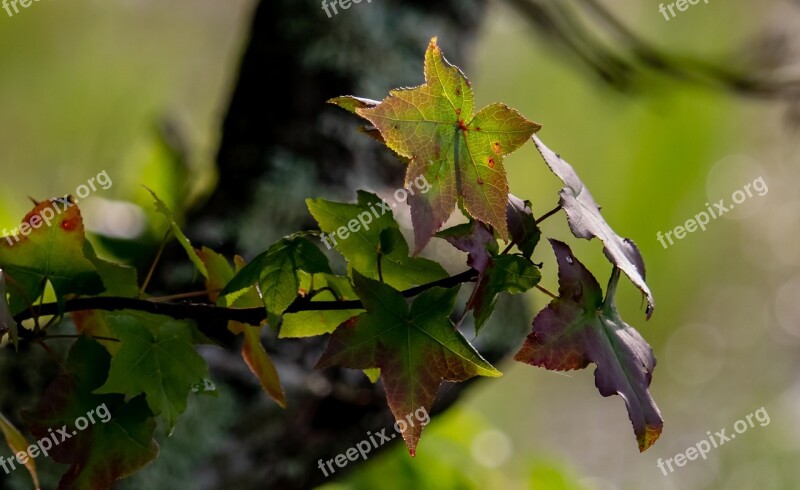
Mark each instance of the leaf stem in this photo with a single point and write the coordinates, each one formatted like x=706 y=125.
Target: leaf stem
x=545 y=291
x=192 y=294
x=380 y=270
x=155 y=262
x=110 y=339
x=549 y=213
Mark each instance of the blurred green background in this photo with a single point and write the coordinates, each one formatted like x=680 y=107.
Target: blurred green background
x=84 y=83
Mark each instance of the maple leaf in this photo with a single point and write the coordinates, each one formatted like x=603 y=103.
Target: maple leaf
x=276 y=273
x=525 y=233
x=581 y=327
x=18 y=444
x=380 y=234
x=52 y=251
x=475 y=239
x=461 y=155
x=415 y=348
x=156 y=358
x=111 y=448
x=585 y=221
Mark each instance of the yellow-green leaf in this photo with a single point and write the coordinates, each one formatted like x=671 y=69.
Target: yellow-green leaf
x=18 y=444
x=459 y=153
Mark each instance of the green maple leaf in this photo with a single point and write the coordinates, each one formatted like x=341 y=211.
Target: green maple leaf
x=582 y=327
x=459 y=154
x=105 y=451
x=415 y=348
x=51 y=252
x=318 y=322
x=157 y=358
x=381 y=236
x=276 y=273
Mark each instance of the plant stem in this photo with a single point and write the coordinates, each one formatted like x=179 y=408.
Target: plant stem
x=207 y=312
x=155 y=262
x=545 y=291
x=110 y=339
x=549 y=213
x=193 y=294
x=380 y=271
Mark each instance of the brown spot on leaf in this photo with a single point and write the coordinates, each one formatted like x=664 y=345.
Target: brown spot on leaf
x=497 y=147
x=70 y=224
x=491 y=162
x=480 y=181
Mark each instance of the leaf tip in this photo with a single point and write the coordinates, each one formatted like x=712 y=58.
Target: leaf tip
x=493 y=373
x=649 y=437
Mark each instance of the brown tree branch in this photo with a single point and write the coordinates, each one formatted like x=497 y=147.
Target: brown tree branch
x=202 y=311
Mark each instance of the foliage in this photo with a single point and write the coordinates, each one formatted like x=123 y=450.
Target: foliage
x=390 y=313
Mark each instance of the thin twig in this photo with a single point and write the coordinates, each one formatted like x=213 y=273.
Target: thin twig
x=549 y=213
x=545 y=291
x=193 y=294
x=96 y=337
x=208 y=312
x=155 y=262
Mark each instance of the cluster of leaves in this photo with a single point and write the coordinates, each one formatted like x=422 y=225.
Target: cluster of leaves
x=388 y=314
